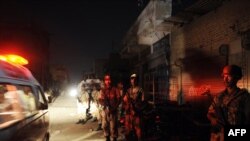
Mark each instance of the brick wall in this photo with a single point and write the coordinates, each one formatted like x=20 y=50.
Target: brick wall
x=198 y=42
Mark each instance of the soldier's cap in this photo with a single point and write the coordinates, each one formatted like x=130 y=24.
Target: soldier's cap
x=133 y=75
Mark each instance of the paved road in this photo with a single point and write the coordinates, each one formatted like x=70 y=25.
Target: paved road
x=62 y=122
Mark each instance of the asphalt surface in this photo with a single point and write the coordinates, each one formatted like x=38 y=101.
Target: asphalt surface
x=63 y=118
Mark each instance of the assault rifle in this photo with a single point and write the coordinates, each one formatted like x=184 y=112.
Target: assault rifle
x=137 y=104
x=111 y=109
x=220 y=113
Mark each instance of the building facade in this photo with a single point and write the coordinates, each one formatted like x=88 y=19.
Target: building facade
x=197 y=38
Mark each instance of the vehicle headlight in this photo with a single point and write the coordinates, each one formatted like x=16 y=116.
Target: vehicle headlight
x=73 y=92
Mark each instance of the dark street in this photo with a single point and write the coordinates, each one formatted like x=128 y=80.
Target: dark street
x=173 y=70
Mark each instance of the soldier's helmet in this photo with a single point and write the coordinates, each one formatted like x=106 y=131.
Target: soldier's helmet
x=135 y=77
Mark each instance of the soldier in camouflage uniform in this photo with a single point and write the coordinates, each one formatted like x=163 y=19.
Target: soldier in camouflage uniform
x=231 y=106
x=110 y=100
x=81 y=102
x=96 y=107
x=133 y=118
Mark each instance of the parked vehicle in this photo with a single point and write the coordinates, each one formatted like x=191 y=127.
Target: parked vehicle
x=23 y=104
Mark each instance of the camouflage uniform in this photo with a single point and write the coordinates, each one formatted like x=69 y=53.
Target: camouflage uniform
x=133 y=119
x=81 y=102
x=110 y=100
x=96 y=107
x=89 y=89
x=120 y=108
x=233 y=109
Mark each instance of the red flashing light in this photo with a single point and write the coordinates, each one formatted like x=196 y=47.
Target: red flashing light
x=15 y=59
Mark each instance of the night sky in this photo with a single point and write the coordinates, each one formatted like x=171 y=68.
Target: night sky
x=80 y=31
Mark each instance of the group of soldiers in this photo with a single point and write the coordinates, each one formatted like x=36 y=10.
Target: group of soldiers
x=101 y=101
x=104 y=102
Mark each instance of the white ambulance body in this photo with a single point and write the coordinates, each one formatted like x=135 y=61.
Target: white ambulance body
x=23 y=106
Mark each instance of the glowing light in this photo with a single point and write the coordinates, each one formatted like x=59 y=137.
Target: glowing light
x=73 y=92
x=3 y=58
x=15 y=59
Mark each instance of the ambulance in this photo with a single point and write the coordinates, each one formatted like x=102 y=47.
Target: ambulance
x=23 y=105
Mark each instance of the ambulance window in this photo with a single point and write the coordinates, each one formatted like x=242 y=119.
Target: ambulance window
x=28 y=99
x=11 y=105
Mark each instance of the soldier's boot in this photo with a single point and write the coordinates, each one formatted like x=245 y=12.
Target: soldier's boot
x=79 y=121
x=94 y=119
x=107 y=138
x=99 y=127
x=83 y=121
x=88 y=116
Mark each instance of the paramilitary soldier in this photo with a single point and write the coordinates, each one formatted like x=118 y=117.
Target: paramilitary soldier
x=231 y=106
x=110 y=100
x=131 y=103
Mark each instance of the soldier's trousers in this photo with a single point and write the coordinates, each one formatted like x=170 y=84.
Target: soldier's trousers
x=133 y=124
x=110 y=124
x=97 y=112
x=81 y=109
x=217 y=136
